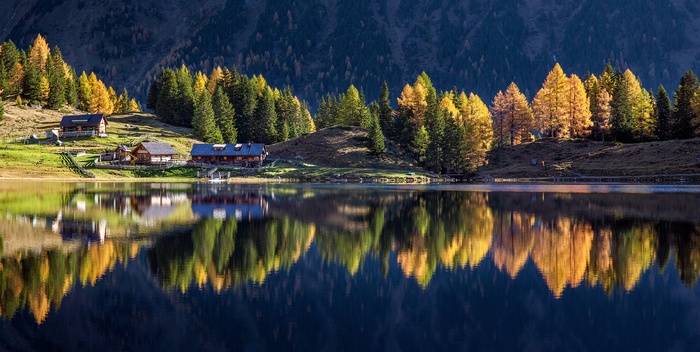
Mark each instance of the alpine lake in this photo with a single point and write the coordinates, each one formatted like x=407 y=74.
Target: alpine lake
x=311 y=267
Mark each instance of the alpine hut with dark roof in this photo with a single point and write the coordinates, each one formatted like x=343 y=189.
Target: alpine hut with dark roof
x=153 y=153
x=83 y=125
x=251 y=154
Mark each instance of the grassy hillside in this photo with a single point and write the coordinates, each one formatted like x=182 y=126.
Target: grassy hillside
x=587 y=158
x=44 y=160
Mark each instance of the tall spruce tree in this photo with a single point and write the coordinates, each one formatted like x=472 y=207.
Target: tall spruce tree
x=264 y=126
x=386 y=119
x=663 y=113
x=435 y=125
x=154 y=92
x=203 y=124
x=376 y=137
x=57 y=82
x=185 y=97
x=224 y=115
x=683 y=112
x=244 y=99
x=167 y=104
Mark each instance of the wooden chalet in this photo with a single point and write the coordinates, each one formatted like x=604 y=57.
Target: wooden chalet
x=153 y=153
x=83 y=125
x=251 y=154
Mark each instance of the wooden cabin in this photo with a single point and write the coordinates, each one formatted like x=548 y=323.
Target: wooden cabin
x=153 y=153
x=251 y=154
x=83 y=125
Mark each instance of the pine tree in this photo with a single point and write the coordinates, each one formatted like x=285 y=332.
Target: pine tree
x=214 y=78
x=327 y=112
x=376 y=137
x=264 y=126
x=32 y=89
x=456 y=149
x=200 y=83
x=167 y=97
x=350 y=109
x=435 y=125
x=154 y=92
x=623 y=98
x=71 y=88
x=663 y=114
x=224 y=115
x=386 y=119
x=419 y=145
x=185 y=97
x=244 y=99
x=203 y=124
x=123 y=103
x=683 y=112
x=57 y=82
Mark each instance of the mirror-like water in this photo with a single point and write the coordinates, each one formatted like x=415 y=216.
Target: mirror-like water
x=102 y=266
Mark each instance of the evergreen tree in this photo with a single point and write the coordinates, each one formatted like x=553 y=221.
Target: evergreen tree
x=327 y=112
x=663 y=114
x=456 y=149
x=623 y=99
x=166 y=107
x=386 y=119
x=203 y=123
x=32 y=83
x=224 y=115
x=57 y=81
x=185 y=97
x=154 y=92
x=683 y=112
x=435 y=125
x=376 y=137
x=419 y=145
x=71 y=88
x=264 y=126
x=123 y=103
x=350 y=108
x=244 y=99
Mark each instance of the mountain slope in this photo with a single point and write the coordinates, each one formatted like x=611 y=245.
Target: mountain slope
x=320 y=46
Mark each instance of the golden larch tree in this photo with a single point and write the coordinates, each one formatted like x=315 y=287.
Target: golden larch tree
x=578 y=108
x=549 y=105
x=39 y=54
x=520 y=119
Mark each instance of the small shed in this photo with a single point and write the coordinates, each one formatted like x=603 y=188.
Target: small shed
x=250 y=154
x=153 y=153
x=83 y=125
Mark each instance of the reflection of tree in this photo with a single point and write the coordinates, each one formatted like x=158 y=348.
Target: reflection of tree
x=513 y=239
x=40 y=281
x=561 y=252
x=227 y=253
x=450 y=229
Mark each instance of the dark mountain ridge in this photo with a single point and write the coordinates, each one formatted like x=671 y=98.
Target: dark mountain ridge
x=320 y=46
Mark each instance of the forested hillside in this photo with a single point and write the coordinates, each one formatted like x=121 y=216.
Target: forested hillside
x=323 y=46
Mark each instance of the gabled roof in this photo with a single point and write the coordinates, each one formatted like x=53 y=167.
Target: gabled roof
x=158 y=148
x=254 y=149
x=82 y=120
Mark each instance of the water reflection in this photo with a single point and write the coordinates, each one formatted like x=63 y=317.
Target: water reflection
x=198 y=236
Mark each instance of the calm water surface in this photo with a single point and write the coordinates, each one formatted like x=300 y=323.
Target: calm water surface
x=182 y=267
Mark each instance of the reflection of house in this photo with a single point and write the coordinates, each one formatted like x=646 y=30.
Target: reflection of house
x=83 y=125
x=221 y=206
x=153 y=153
x=234 y=154
x=84 y=230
